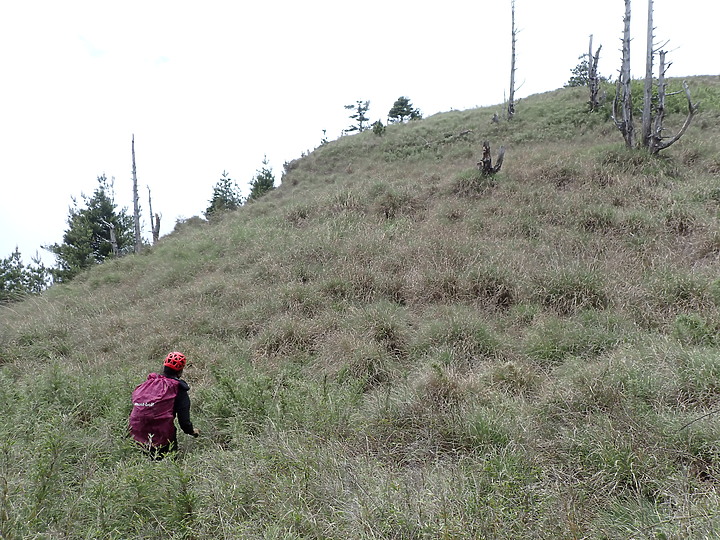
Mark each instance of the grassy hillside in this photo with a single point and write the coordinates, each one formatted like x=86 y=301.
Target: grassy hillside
x=390 y=346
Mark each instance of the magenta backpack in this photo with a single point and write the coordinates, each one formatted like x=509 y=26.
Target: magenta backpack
x=151 y=419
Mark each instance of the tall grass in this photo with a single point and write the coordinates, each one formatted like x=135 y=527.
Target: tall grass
x=390 y=346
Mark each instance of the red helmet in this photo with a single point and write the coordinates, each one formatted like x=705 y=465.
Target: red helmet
x=175 y=360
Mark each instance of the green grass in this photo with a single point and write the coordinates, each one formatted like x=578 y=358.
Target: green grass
x=390 y=345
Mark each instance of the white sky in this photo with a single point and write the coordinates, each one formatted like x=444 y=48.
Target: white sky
x=216 y=85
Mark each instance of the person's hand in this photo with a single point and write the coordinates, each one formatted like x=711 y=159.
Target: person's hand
x=196 y=432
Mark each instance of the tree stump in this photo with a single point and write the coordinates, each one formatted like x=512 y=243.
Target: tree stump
x=485 y=165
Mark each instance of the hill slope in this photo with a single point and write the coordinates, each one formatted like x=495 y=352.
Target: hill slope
x=390 y=345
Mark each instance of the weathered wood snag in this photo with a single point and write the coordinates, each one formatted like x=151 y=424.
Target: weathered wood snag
x=648 y=82
x=485 y=165
x=136 y=205
x=511 y=98
x=593 y=77
x=652 y=124
x=156 y=229
x=656 y=140
x=154 y=224
x=622 y=104
x=113 y=237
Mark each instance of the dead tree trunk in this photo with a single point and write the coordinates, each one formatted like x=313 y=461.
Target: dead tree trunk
x=485 y=164
x=648 y=83
x=652 y=119
x=623 y=95
x=156 y=229
x=511 y=98
x=155 y=224
x=113 y=237
x=136 y=204
x=593 y=77
x=655 y=142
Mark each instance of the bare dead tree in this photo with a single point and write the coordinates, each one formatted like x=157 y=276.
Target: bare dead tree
x=154 y=223
x=156 y=229
x=136 y=203
x=511 y=98
x=652 y=119
x=648 y=83
x=655 y=142
x=113 y=237
x=623 y=95
x=485 y=164
x=593 y=77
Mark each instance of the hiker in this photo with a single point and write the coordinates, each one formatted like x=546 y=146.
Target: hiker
x=156 y=403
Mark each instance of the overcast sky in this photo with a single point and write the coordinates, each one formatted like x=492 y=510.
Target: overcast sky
x=214 y=86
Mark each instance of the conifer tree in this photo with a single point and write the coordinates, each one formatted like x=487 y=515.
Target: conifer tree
x=226 y=196
x=18 y=279
x=94 y=233
x=263 y=181
x=360 y=108
x=403 y=110
x=579 y=75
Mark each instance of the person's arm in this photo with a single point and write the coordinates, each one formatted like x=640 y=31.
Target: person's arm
x=182 y=410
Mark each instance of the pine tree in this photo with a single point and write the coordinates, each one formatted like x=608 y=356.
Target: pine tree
x=94 y=233
x=579 y=74
x=360 y=108
x=226 y=196
x=378 y=128
x=263 y=182
x=18 y=280
x=403 y=110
